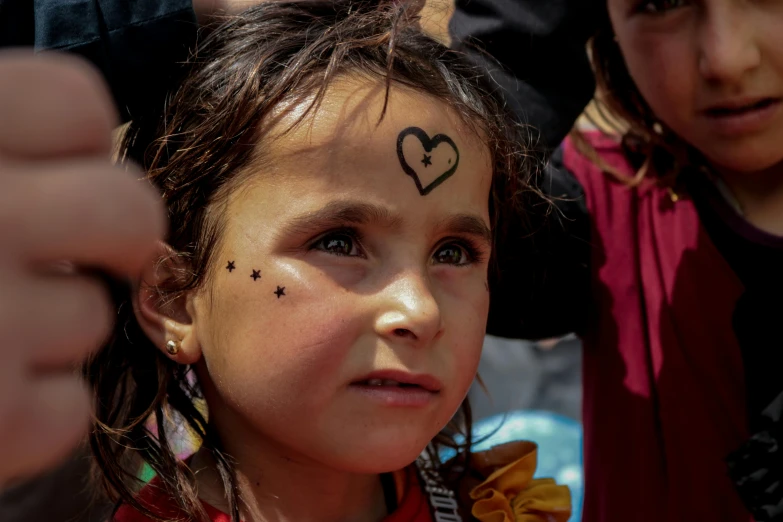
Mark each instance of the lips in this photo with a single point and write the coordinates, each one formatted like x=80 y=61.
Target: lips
x=740 y=106
x=386 y=382
x=741 y=117
x=399 y=379
x=397 y=389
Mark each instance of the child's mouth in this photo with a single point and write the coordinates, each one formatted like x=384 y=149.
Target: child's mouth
x=738 y=117
x=386 y=382
x=398 y=389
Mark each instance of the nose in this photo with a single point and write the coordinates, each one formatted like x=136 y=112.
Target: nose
x=728 y=47
x=409 y=312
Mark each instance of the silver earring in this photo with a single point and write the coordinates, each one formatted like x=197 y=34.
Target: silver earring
x=172 y=347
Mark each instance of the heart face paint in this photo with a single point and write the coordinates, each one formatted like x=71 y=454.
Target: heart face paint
x=444 y=165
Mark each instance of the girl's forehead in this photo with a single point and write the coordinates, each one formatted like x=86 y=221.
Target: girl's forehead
x=352 y=114
x=419 y=161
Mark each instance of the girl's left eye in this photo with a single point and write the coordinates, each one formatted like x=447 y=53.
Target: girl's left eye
x=452 y=254
x=338 y=244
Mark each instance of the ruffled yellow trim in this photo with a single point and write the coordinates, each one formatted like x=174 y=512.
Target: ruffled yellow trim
x=510 y=494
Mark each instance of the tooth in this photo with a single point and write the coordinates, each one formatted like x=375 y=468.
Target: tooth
x=389 y=382
x=374 y=382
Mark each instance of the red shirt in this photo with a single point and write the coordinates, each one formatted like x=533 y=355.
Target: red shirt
x=664 y=390
x=412 y=503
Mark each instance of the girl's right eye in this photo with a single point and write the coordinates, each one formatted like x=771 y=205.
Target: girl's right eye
x=338 y=244
x=660 y=6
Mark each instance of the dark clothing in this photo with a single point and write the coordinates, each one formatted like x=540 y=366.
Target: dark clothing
x=135 y=43
x=540 y=48
x=757 y=258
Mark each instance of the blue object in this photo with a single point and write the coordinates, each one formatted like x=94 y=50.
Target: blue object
x=559 y=442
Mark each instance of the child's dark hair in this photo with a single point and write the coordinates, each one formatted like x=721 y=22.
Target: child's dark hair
x=194 y=148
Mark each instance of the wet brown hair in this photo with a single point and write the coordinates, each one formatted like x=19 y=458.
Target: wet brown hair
x=651 y=146
x=195 y=147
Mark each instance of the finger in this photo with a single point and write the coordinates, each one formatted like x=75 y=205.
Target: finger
x=53 y=105
x=56 y=320
x=51 y=418
x=88 y=212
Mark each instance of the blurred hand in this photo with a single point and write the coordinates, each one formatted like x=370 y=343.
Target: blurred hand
x=61 y=199
x=206 y=8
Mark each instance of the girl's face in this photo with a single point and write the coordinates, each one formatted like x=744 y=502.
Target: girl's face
x=346 y=315
x=712 y=71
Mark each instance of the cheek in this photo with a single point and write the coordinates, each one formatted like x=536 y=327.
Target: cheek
x=263 y=351
x=664 y=71
x=466 y=321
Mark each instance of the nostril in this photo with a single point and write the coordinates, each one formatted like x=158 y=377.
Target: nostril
x=404 y=332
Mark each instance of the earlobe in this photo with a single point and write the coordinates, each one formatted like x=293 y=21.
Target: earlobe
x=165 y=316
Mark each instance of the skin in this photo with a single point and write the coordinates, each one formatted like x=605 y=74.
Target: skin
x=207 y=9
x=60 y=198
x=688 y=55
x=277 y=372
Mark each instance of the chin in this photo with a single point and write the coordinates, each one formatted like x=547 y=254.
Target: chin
x=375 y=455
x=747 y=158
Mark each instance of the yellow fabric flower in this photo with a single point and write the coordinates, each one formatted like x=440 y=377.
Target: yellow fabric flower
x=510 y=493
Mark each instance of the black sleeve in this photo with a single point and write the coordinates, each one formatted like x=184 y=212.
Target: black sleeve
x=541 y=284
x=135 y=43
x=535 y=51
x=540 y=47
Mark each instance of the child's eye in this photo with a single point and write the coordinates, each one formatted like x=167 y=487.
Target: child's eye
x=454 y=254
x=660 y=6
x=339 y=244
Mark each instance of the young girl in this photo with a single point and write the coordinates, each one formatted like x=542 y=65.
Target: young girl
x=669 y=265
x=332 y=178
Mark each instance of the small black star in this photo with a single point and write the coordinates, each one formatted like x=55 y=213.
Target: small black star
x=256 y=275
x=230 y=266
x=280 y=291
x=427 y=160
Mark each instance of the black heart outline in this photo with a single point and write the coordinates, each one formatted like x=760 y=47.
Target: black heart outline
x=428 y=144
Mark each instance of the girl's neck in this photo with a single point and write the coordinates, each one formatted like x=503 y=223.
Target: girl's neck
x=280 y=487
x=760 y=196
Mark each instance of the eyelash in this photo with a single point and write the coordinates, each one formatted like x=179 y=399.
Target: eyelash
x=351 y=233
x=473 y=253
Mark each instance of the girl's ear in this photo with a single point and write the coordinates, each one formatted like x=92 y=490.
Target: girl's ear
x=167 y=321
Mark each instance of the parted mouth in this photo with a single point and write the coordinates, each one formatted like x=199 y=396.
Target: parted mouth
x=740 y=106
x=387 y=382
x=399 y=379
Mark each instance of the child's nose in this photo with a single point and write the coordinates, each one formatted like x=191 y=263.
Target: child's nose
x=728 y=46
x=409 y=312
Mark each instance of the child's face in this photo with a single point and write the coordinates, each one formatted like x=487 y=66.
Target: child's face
x=334 y=267
x=712 y=70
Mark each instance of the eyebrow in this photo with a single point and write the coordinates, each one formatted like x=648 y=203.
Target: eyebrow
x=340 y=213
x=467 y=224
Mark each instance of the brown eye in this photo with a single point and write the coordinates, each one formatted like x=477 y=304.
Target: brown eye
x=337 y=244
x=451 y=254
